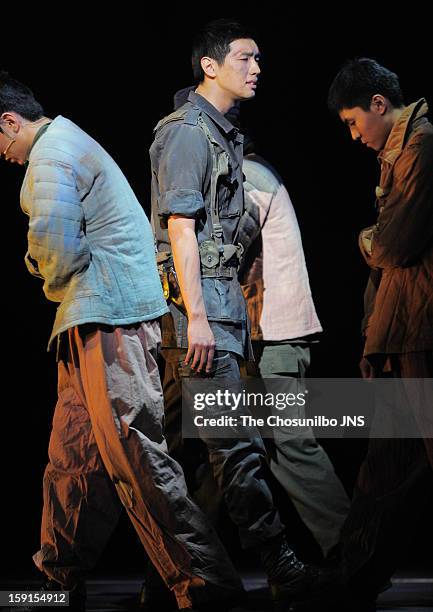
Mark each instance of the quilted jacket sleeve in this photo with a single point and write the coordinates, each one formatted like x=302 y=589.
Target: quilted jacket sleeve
x=57 y=244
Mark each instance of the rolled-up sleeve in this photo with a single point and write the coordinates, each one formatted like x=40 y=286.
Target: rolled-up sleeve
x=181 y=170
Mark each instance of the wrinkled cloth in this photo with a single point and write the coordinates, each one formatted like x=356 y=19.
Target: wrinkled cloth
x=89 y=239
x=182 y=167
x=399 y=247
x=237 y=464
x=394 y=483
x=108 y=438
x=297 y=460
x=275 y=279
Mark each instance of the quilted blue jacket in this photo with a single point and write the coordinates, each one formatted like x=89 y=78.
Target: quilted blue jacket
x=89 y=239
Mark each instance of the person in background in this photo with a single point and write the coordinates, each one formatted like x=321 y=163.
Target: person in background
x=284 y=326
x=395 y=477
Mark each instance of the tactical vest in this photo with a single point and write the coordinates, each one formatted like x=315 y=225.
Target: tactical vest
x=218 y=258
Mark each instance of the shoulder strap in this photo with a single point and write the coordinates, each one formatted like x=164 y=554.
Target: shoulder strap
x=178 y=115
x=219 y=168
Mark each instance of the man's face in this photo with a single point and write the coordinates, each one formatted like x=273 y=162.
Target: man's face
x=370 y=127
x=239 y=73
x=12 y=144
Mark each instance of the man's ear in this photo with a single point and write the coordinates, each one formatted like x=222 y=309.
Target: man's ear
x=379 y=104
x=10 y=120
x=208 y=67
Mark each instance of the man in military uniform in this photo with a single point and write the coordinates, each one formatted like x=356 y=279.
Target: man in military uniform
x=197 y=203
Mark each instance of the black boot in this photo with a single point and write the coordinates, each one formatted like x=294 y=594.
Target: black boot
x=155 y=594
x=290 y=580
x=215 y=598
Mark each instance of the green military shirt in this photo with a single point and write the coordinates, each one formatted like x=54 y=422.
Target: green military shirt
x=181 y=160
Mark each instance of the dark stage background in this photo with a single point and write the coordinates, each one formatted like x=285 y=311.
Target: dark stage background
x=115 y=76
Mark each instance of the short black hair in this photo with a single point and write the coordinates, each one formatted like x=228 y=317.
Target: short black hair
x=358 y=81
x=18 y=98
x=214 y=40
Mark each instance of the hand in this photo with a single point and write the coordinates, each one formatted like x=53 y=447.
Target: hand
x=367 y=370
x=32 y=265
x=366 y=240
x=201 y=344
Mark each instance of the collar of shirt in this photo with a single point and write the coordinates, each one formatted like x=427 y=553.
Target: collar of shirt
x=397 y=137
x=39 y=133
x=231 y=132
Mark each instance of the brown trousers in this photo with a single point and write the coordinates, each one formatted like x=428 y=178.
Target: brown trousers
x=108 y=429
x=395 y=481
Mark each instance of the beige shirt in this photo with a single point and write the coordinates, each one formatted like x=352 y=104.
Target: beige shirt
x=287 y=309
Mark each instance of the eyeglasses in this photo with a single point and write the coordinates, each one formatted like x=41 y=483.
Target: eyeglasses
x=4 y=153
x=12 y=140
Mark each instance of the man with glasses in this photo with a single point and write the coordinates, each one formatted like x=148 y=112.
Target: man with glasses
x=91 y=244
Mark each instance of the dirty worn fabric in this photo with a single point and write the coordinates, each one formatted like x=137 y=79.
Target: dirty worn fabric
x=107 y=437
x=283 y=320
x=182 y=167
x=275 y=277
x=399 y=247
x=89 y=239
x=297 y=460
x=394 y=483
x=238 y=464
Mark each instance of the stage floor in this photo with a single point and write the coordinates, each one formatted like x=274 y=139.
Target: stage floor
x=411 y=592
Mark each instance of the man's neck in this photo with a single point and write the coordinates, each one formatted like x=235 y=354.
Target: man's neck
x=217 y=97
x=32 y=131
x=396 y=114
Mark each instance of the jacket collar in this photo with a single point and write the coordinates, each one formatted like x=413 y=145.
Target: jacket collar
x=397 y=136
x=218 y=118
x=41 y=131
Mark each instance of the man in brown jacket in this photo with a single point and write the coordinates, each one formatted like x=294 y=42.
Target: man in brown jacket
x=398 y=322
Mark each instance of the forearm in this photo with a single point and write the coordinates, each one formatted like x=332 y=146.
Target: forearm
x=187 y=264
x=201 y=341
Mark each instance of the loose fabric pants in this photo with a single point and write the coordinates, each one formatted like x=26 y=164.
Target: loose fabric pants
x=299 y=463
x=238 y=465
x=108 y=429
x=395 y=481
